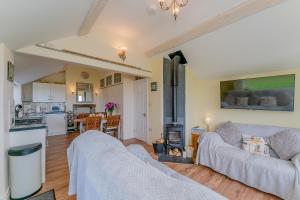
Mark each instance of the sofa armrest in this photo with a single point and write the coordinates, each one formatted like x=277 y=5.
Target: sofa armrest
x=211 y=136
x=296 y=161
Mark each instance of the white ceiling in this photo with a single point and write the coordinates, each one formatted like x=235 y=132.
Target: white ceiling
x=28 y=22
x=133 y=20
x=266 y=41
x=31 y=68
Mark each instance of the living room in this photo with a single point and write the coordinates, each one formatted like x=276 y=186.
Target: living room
x=221 y=113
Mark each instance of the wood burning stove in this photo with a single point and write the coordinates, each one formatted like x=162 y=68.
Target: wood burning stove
x=175 y=136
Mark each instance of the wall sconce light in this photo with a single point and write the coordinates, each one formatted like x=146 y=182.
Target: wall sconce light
x=96 y=93
x=207 y=123
x=73 y=92
x=122 y=53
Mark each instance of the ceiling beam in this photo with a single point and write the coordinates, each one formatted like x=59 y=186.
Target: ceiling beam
x=95 y=10
x=245 y=9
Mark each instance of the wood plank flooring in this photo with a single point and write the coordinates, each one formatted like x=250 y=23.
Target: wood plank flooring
x=57 y=173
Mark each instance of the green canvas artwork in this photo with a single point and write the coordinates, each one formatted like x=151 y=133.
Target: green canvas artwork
x=274 y=93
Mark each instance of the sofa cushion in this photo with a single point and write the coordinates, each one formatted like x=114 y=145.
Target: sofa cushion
x=230 y=134
x=255 y=145
x=286 y=143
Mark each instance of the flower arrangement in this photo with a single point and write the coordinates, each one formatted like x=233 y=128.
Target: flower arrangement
x=110 y=107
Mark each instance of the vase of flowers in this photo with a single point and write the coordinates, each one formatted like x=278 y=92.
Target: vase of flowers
x=110 y=107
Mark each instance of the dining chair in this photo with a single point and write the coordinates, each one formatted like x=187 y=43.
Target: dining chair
x=112 y=125
x=82 y=115
x=92 y=123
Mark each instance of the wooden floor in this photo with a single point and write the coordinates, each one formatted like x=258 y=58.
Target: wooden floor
x=57 y=173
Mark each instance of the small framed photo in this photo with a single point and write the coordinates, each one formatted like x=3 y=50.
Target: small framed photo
x=109 y=80
x=153 y=86
x=10 y=72
x=102 y=83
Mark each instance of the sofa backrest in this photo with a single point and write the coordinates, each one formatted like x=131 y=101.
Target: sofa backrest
x=260 y=130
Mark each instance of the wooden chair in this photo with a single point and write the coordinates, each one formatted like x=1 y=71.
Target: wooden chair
x=82 y=115
x=112 y=125
x=92 y=123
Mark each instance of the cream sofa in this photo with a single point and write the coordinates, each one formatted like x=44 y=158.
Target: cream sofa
x=268 y=174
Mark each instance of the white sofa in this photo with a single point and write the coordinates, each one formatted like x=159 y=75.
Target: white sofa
x=101 y=168
x=269 y=174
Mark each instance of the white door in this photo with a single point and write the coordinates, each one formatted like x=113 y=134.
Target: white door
x=58 y=92
x=41 y=92
x=141 y=109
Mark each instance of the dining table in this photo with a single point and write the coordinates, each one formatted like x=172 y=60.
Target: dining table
x=82 y=121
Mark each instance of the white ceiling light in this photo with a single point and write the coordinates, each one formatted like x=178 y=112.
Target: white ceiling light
x=175 y=5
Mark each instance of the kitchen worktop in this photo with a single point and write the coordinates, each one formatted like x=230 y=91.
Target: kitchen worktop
x=27 y=127
x=55 y=112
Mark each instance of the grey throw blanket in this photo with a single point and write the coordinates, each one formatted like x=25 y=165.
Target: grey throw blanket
x=271 y=175
x=102 y=168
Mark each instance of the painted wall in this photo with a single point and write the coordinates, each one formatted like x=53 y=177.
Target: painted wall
x=105 y=46
x=209 y=104
x=59 y=78
x=73 y=76
x=123 y=96
x=6 y=107
x=128 y=108
x=17 y=93
x=192 y=98
x=156 y=100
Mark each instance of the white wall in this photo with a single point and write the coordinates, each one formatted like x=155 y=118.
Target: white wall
x=73 y=76
x=6 y=102
x=105 y=46
x=128 y=108
x=156 y=100
x=123 y=96
x=209 y=104
x=17 y=93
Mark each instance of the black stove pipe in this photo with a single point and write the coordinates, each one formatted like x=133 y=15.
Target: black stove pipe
x=174 y=84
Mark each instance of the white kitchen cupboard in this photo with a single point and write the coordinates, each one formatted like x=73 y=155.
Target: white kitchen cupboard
x=44 y=92
x=41 y=92
x=27 y=92
x=56 y=124
x=58 y=92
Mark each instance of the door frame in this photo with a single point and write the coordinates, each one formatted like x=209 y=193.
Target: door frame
x=147 y=109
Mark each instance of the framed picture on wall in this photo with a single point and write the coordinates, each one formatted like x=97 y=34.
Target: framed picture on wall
x=109 y=80
x=102 y=83
x=153 y=86
x=117 y=78
x=10 y=71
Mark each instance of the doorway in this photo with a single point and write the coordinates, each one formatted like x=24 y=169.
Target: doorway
x=141 y=109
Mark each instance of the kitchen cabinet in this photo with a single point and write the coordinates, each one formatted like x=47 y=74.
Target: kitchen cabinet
x=58 y=92
x=56 y=124
x=27 y=92
x=43 y=92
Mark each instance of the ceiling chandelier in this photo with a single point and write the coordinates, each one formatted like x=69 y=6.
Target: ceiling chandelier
x=175 y=5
